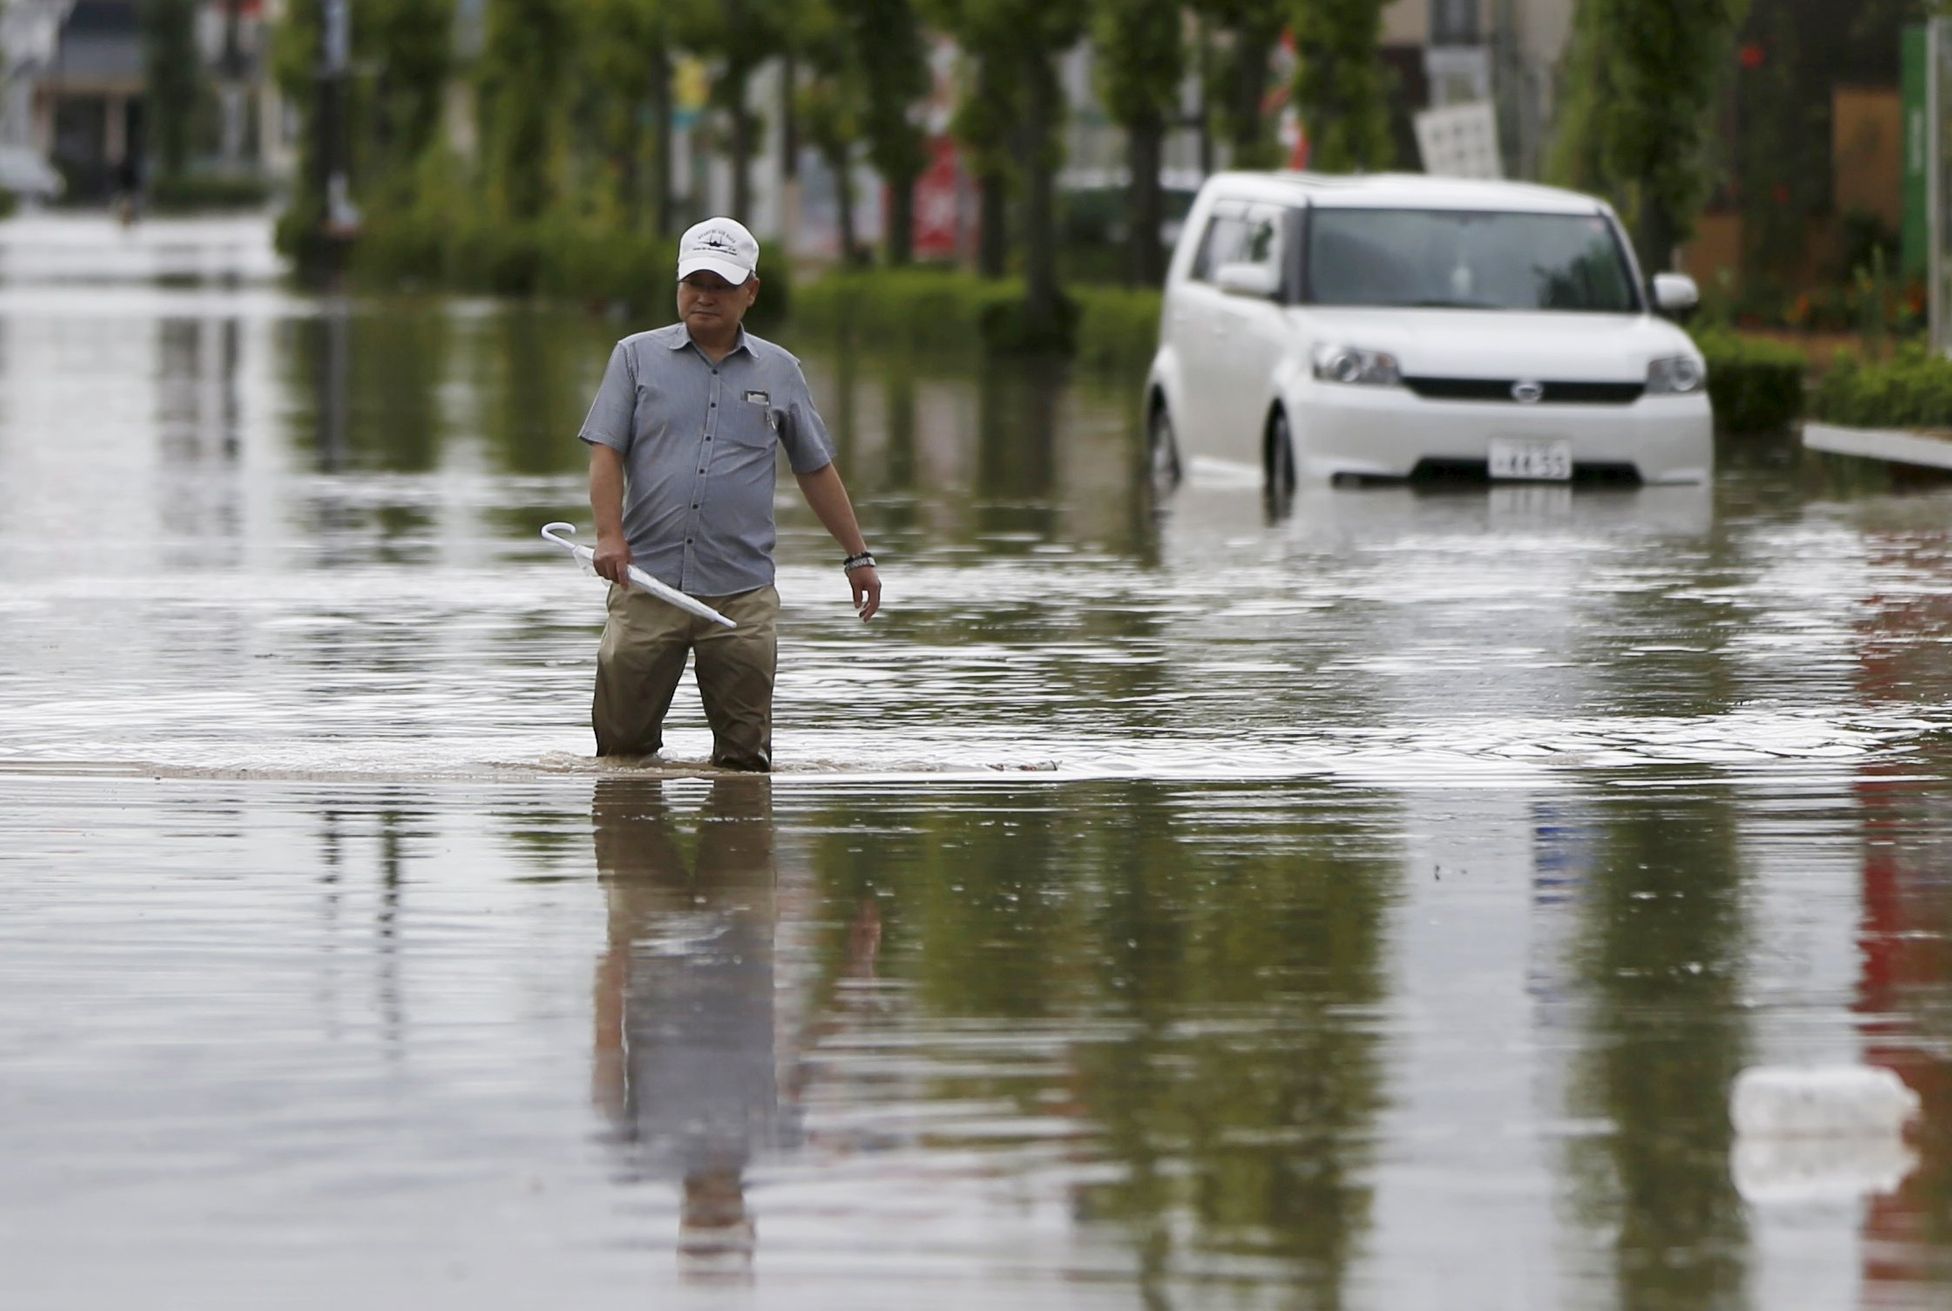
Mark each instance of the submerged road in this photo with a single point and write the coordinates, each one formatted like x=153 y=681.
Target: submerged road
x=1176 y=904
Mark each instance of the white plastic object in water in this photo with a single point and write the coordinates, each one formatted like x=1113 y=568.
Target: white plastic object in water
x=1833 y=1168
x=1815 y=1101
x=638 y=577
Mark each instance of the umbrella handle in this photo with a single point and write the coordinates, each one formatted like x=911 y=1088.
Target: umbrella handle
x=554 y=532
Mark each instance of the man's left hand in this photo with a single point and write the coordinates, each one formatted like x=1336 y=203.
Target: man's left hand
x=867 y=590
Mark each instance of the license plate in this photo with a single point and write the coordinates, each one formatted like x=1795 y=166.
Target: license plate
x=1539 y=461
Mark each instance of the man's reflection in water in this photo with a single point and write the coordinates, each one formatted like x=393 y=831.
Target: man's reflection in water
x=685 y=1059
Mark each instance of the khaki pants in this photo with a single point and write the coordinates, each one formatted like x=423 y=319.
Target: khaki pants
x=645 y=642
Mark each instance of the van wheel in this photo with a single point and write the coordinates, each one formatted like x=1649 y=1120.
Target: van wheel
x=1280 y=456
x=1161 y=451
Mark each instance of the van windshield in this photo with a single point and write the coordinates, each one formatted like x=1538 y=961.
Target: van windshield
x=1445 y=259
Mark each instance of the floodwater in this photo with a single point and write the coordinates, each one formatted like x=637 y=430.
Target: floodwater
x=1368 y=905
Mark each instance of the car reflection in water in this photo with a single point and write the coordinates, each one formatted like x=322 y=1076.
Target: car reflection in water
x=686 y=1053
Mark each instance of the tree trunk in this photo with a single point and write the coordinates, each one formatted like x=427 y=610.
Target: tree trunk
x=661 y=183
x=789 y=163
x=1041 y=292
x=1148 y=208
x=1249 y=85
x=901 y=221
x=630 y=185
x=741 y=147
x=1203 y=52
x=993 y=240
x=789 y=116
x=1658 y=235
x=837 y=162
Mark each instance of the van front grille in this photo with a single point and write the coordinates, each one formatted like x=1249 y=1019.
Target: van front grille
x=1500 y=389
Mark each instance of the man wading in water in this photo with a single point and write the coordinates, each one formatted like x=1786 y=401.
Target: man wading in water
x=682 y=436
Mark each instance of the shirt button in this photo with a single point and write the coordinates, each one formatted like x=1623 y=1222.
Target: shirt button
x=712 y=406
x=708 y=436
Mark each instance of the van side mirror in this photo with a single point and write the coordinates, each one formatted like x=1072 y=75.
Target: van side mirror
x=1676 y=295
x=1244 y=279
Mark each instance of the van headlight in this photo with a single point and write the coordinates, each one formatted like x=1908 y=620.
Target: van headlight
x=1349 y=364
x=1676 y=375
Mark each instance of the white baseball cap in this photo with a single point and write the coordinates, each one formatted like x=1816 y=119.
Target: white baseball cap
x=721 y=246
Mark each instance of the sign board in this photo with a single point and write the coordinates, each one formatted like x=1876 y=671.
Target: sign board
x=1460 y=141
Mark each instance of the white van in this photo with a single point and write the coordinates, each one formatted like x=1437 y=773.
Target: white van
x=1394 y=325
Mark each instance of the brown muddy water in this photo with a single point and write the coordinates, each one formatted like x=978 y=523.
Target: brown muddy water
x=1174 y=906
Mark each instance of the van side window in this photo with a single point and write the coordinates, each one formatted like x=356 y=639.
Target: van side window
x=1225 y=237
x=1263 y=241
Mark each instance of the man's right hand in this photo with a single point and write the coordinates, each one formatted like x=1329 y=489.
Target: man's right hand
x=612 y=559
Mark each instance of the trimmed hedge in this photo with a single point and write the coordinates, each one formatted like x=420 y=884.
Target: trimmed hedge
x=1911 y=390
x=557 y=258
x=1756 y=386
x=1118 y=328
x=191 y=193
x=923 y=306
x=935 y=308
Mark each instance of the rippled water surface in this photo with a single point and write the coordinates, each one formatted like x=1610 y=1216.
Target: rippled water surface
x=1168 y=904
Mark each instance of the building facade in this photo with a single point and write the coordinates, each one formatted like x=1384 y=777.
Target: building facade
x=73 y=89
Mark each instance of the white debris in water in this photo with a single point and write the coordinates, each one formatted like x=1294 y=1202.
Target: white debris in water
x=1790 y=1171
x=1816 y=1101
x=1820 y=1133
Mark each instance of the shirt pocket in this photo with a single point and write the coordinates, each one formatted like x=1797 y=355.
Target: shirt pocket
x=750 y=419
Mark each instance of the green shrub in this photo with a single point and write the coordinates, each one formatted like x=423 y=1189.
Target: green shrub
x=8 y=202
x=1118 y=328
x=1755 y=386
x=1008 y=327
x=924 y=306
x=937 y=308
x=1911 y=390
x=556 y=257
x=194 y=192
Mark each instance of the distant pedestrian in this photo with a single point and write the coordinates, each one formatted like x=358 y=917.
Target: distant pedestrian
x=683 y=438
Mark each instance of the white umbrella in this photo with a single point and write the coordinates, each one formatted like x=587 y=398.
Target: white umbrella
x=638 y=577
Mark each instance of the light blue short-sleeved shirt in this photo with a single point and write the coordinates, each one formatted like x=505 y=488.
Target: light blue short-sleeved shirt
x=700 y=442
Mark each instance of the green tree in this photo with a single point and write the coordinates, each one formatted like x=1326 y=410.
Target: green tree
x=1141 y=64
x=409 y=44
x=295 y=61
x=984 y=115
x=1341 y=84
x=832 y=104
x=1643 y=75
x=628 y=60
x=525 y=75
x=172 y=80
x=741 y=35
x=1780 y=152
x=892 y=58
x=1016 y=44
x=1240 y=84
